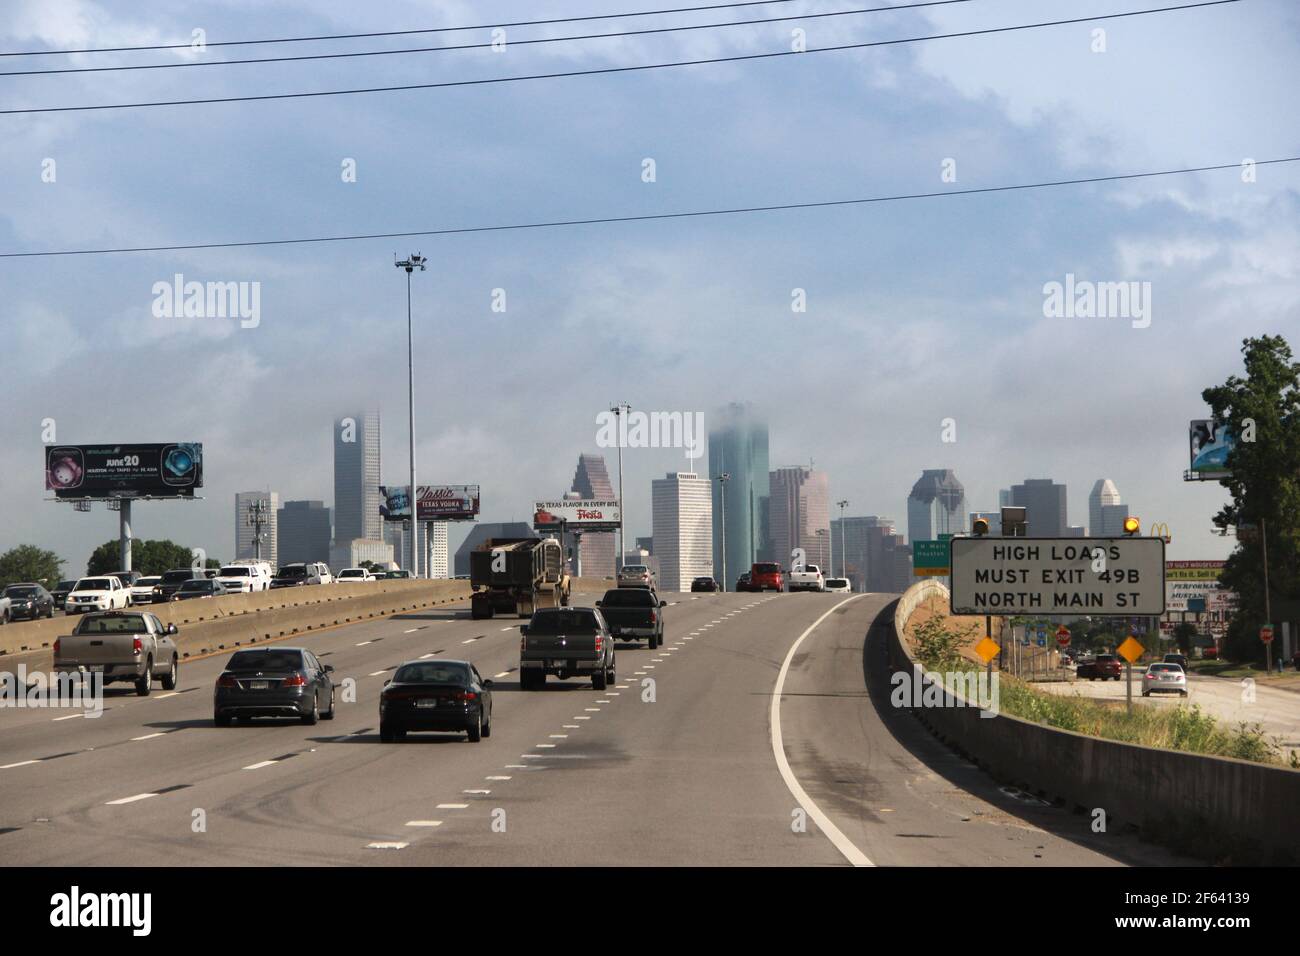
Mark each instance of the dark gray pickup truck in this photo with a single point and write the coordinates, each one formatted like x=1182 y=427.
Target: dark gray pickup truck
x=566 y=642
x=634 y=613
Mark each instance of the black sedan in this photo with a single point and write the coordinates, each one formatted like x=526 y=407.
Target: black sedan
x=199 y=588
x=29 y=602
x=704 y=584
x=435 y=695
x=60 y=593
x=274 y=682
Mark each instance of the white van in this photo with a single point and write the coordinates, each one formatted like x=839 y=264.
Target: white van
x=246 y=576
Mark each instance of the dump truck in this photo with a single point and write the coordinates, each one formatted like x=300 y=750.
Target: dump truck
x=517 y=575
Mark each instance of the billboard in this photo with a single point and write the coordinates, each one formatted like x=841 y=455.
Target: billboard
x=436 y=502
x=1189 y=580
x=578 y=514
x=1116 y=576
x=1210 y=443
x=168 y=470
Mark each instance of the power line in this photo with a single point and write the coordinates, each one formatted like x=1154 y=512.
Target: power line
x=648 y=217
x=398 y=33
x=479 y=46
x=607 y=70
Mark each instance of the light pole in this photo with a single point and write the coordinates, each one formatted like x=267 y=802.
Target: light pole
x=619 y=409
x=722 y=488
x=844 y=567
x=821 y=533
x=416 y=261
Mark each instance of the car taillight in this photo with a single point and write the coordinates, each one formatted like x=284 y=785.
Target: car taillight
x=295 y=680
x=56 y=646
x=227 y=680
x=653 y=617
x=467 y=695
x=599 y=639
x=137 y=646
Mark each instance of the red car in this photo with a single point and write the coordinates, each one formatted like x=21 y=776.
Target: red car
x=766 y=576
x=1101 y=667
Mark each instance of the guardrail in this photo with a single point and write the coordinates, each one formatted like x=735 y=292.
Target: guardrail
x=1216 y=807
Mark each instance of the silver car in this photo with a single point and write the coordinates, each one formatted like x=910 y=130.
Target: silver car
x=1164 y=679
x=635 y=576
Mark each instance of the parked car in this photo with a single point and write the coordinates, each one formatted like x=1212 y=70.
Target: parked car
x=29 y=601
x=809 y=578
x=1210 y=654
x=565 y=642
x=1164 y=679
x=61 y=592
x=1179 y=659
x=142 y=591
x=100 y=593
x=635 y=576
x=122 y=646
x=171 y=581
x=766 y=576
x=273 y=682
x=297 y=575
x=634 y=613
x=838 y=585
x=435 y=695
x=704 y=585
x=355 y=575
x=1101 y=667
x=744 y=583
x=206 y=588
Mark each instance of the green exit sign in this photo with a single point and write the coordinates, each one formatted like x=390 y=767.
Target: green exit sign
x=930 y=557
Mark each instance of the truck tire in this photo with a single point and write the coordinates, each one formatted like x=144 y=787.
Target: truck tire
x=173 y=676
x=144 y=683
x=598 y=679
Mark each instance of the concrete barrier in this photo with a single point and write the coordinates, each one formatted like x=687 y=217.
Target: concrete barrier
x=1214 y=807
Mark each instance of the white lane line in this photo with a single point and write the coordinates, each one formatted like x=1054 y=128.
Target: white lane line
x=477 y=792
x=832 y=832
x=648 y=667
x=425 y=657
x=170 y=693
x=422 y=823
x=566 y=727
x=612 y=693
x=621 y=686
x=502 y=674
x=452 y=806
x=528 y=757
x=592 y=710
x=498 y=776
x=21 y=763
x=138 y=796
x=542 y=747
x=602 y=701
x=470 y=641
x=69 y=717
x=391 y=845
x=161 y=733
x=376 y=673
x=580 y=717
x=259 y=766
x=510 y=628
x=364 y=643
x=410 y=630
x=637 y=673
x=557 y=736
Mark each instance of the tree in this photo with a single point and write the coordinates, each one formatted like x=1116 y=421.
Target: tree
x=147 y=557
x=1263 y=410
x=30 y=563
x=1184 y=633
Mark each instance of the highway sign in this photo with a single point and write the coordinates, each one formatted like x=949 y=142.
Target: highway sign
x=1131 y=649
x=930 y=557
x=1101 y=576
x=988 y=649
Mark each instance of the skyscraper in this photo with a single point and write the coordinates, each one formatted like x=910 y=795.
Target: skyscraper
x=596 y=548
x=800 y=515
x=1112 y=520
x=1103 y=493
x=304 y=532
x=682 y=527
x=245 y=546
x=437 y=544
x=1045 y=507
x=856 y=548
x=356 y=478
x=738 y=447
x=937 y=505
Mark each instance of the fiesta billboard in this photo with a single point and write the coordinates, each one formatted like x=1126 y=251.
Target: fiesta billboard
x=1211 y=443
x=436 y=502
x=577 y=514
x=167 y=470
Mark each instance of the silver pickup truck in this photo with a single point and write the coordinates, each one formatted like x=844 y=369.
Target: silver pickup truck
x=123 y=646
x=566 y=642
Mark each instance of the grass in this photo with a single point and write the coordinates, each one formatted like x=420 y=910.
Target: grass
x=938 y=646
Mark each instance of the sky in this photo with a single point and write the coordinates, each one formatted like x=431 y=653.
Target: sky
x=917 y=312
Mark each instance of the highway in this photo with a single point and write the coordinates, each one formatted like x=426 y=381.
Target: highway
x=569 y=775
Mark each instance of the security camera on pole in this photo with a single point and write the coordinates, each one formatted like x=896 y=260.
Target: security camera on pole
x=416 y=261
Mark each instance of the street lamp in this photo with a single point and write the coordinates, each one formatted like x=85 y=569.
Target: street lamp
x=844 y=561
x=821 y=533
x=416 y=261
x=619 y=409
x=722 y=488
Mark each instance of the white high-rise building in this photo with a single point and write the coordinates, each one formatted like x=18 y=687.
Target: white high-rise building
x=682 y=518
x=245 y=546
x=1104 y=494
x=437 y=544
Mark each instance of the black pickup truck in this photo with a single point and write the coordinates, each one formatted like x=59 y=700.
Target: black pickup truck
x=634 y=613
x=566 y=642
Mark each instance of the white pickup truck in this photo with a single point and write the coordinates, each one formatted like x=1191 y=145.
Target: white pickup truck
x=809 y=579
x=123 y=646
x=104 y=592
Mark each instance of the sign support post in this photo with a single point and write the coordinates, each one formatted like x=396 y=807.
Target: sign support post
x=124 y=534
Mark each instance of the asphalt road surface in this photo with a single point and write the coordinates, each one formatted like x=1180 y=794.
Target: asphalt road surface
x=678 y=763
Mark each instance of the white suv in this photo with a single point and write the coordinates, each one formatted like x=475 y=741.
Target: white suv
x=352 y=575
x=245 y=577
x=103 y=593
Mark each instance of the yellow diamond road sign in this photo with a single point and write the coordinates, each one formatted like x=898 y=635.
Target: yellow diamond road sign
x=1131 y=650
x=988 y=649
